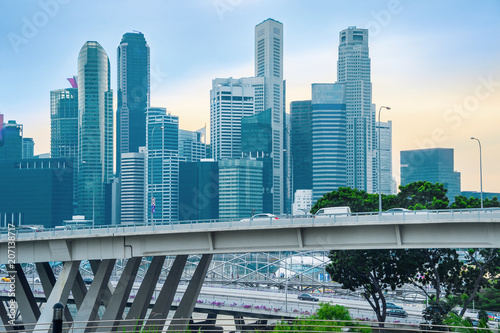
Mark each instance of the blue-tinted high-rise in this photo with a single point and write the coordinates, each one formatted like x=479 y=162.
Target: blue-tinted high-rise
x=95 y=131
x=133 y=91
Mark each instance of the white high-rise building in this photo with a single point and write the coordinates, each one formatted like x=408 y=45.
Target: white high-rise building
x=269 y=65
x=132 y=188
x=385 y=158
x=162 y=165
x=303 y=202
x=191 y=146
x=353 y=70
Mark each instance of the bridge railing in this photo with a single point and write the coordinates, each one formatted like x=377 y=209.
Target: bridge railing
x=406 y=216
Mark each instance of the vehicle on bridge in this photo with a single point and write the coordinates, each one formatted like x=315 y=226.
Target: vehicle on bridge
x=261 y=217
x=389 y=305
x=329 y=211
x=307 y=297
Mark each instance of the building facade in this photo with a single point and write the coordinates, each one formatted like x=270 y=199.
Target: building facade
x=132 y=188
x=328 y=138
x=301 y=145
x=353 y=70
x=133 y=87
x=95 y=132
x=303 y=202
x=198 y=190
x=191 y=146
x=36 y=191
x=386 y=185
x=240 y=188
x=435 y=165
x=11 y=142
x=28 y=148
x=162 y=166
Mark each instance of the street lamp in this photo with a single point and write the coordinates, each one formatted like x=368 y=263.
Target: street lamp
x=379 y=163
x=480 y=169
x=153 y=200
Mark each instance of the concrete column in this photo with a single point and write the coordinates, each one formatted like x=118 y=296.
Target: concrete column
x=79 y=290
x=48 y=280
x=181 y=317
x=25 y=299
x=143 y=298
x=114 y=310
x=93 y=299
x=239 y=323
x=108 y=291
x=4 y=325
x=162 y=305
x=59 y=294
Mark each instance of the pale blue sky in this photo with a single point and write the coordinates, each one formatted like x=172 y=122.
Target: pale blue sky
x=430 y=60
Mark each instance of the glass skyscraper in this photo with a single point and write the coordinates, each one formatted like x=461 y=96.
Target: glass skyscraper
x=328 y=138
x=301 y=145
x=95 y=131
x=11 y=140
x=353 y=70
x=133 y=94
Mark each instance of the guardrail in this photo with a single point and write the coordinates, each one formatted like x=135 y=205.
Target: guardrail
x=422 y=215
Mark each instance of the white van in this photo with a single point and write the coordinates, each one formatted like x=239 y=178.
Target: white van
x=326 y=212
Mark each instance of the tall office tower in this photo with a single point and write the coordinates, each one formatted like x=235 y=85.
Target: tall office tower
x=162 y=165
x=191 y=145
x=133 y=92
x=434 y=165
x=328 y=123
x=269 y=65
x=95 y=132
x=132 y=188
x=64 y=128
x=198 y=190
x=301 y=145
x=256 y=143
x=11 y=143
x=28 y=148
x=240 y=188
x=230 y=100
x=385 y=143
x=353 y=70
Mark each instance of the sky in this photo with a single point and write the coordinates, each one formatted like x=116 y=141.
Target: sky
x=435 y=63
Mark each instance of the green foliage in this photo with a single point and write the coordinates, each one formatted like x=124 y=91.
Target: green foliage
x=422 y=195
x=482 y=315
x=464 y=325
x=329 y=318
x=358 y=201
x=435 y=314
x=462 y=202
x=488 y=299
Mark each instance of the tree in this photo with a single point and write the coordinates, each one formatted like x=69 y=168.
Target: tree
x=462 y=202
x=423 y=195
x=489 y=299
x=437 y=268
x=372 y=270
x=435 y=314
x=358 y=201
x=483 y=265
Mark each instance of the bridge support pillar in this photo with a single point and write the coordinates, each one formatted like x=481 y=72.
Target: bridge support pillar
x=143 y=298
x=59 y=294
x=25 y=299
x=162 y=305
x=239 y=323
x=116 y=305
x=108 y=290
x=92 y=301
x=184 y=311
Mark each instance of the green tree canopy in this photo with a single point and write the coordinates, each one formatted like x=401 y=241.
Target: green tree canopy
x=462 y=202
x=423 y=195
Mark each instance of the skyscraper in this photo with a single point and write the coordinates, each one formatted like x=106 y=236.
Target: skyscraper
x=434 y=165
x=64 y=128
x=95 y=131
x=11 y=141
x=191 y=147
x=269 y=65
x=353 y=70
x=132 y=188
x=28 y=148
x=133 y=91
x=385 y=157
x=328 y=138
x=301 y=145
x=163 y=165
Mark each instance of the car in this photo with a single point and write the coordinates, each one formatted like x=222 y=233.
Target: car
x=390 y=305
x=307 y=297
x=88 y=281
x=492 y=316
x=397 y=313
x=261 y=217
x=28 y=228
x=330 y=211
x=398 y=210
x=5 y=279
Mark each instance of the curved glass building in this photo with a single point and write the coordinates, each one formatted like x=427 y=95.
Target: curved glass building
x=95 y=132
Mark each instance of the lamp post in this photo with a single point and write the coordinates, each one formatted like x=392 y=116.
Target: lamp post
x=480 y=169
x=379 y=163
x=153 y=200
